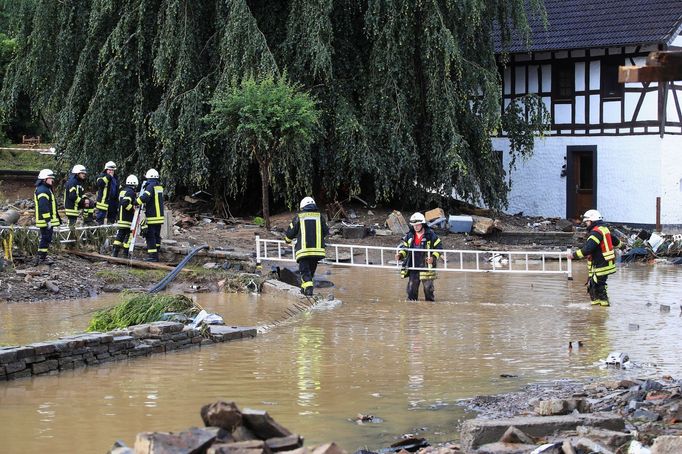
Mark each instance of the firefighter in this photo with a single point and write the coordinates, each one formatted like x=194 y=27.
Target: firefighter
x=107 y=194
x=151 y=196
x=126 y=210
x=601 y=257
x=309 y=229
x=74 y=202
x=47 y=216
x=420 y=236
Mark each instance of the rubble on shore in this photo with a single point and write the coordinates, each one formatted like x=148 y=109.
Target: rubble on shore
x=636 y=416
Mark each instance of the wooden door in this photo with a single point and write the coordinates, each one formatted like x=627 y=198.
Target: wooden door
x=581 y=182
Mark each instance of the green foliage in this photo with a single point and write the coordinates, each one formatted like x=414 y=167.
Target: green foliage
x=118 y=276
x=269 y=121
x=137 y=309
x=408 y=93
x=25 y=160
x=259 y=221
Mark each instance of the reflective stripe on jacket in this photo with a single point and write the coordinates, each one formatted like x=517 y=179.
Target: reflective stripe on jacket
x=430 y=243
x=73 y=196
x=599 y=249
x=309 y=228
x=45 y=206
x=152 y=198
x=126 y=207
x=103 y=190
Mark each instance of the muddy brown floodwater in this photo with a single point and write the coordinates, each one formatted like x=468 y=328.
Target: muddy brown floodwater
x=405 y=362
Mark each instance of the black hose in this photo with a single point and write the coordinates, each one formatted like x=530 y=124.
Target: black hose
x=170 y=276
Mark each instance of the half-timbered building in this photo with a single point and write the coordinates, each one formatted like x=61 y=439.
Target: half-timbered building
x=611 y=146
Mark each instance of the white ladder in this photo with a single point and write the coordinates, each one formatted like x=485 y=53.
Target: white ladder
x=518 y=262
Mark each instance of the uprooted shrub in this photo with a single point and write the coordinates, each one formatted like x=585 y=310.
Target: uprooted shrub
x=139 y=308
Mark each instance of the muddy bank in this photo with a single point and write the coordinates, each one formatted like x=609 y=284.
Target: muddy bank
x=74 y=277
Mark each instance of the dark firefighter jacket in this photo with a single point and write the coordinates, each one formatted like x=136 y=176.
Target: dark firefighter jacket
x=126 y=206
x=599 y=249
x=107 y=190
x=152 y=199
x=309 y=228
x=45 y=206
x=73 y=196
x=430 y=242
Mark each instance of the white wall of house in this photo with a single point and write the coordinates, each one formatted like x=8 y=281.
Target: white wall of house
x=631 y=172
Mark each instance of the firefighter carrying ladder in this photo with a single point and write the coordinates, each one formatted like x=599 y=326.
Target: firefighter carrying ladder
x=519 y=262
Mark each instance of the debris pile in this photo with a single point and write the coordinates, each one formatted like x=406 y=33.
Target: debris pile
x=640 y=416
x=227 y=430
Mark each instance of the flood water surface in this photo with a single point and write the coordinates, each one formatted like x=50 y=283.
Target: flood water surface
x=405 y=362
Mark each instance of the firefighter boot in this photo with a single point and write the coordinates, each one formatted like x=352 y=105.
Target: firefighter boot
x=153 y=257
x=41 y=259
x=115 y=250
x=308 y=291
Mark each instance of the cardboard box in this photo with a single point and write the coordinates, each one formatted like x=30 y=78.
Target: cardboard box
x=434 y=214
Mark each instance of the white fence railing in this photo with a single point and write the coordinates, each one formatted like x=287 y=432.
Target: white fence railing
x=63 y=234
x=521 y=262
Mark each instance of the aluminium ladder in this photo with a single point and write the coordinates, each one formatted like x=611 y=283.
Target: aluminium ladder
x=471 y=261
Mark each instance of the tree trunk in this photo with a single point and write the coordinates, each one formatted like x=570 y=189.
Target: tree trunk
x=265 y=190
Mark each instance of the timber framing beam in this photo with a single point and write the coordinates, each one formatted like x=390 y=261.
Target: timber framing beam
x=661 y=66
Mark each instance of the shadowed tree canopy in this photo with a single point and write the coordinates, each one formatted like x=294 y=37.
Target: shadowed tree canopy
x=408 y=90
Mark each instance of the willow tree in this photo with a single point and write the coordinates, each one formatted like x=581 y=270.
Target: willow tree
x=409 y=91
x=272 y=122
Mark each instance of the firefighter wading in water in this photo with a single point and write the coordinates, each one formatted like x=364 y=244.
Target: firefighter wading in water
x=601 y=257
x=309 y=229
x=46 y=213
x=420 y=236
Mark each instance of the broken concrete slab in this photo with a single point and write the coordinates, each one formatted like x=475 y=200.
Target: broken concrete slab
x=262 y=425
x=477 y=432
x=193 y=440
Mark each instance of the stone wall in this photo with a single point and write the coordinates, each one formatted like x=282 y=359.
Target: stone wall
x=91 y=349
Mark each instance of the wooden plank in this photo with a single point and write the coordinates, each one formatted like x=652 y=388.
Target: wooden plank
x=664 y=58
x=649 y=73
x=122 y=261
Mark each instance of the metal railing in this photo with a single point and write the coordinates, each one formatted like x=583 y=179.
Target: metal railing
x=63 y=234
x=520 y=262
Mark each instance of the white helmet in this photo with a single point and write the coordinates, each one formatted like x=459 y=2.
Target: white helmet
x=45 y=174
x=592 y=215
x=110 y=165
x=151 y=173
x=131 y=180
x=306 y=201
x=417 y=218
x=78 y=169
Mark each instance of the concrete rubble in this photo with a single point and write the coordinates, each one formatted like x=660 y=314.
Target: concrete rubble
x=227 y=429
x=642 y=416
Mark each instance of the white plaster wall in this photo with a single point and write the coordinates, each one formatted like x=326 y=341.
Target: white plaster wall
x=631 y=172
x=671 y=180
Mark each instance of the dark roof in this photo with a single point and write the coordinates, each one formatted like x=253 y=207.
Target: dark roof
x=578 y=24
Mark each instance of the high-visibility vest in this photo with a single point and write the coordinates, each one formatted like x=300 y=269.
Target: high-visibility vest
x=608 y=265
x=45 y=212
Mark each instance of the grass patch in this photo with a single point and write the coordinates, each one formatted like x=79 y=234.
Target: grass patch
x=25 y=160
x=137 y=309
x=121 y=276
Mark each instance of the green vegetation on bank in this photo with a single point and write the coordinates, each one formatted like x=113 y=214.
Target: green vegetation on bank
x=25 y=160
x=137 y=309
x=118 y=276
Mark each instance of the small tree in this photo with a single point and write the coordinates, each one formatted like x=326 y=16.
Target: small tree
x=272 y=121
